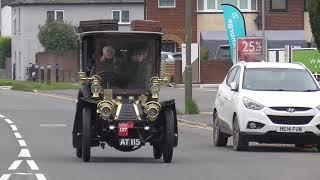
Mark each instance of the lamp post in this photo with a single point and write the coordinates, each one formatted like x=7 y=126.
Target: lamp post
x=188 y=68
x=265 y=49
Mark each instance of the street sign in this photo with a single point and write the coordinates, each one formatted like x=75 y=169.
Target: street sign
x=250 y=49
x=309 y=57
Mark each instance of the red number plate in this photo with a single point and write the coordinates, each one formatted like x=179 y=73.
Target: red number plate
x=124 y=129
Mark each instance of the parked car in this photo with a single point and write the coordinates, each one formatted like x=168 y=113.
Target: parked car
x=167 y=57
x=267 y=102
x=118 y=101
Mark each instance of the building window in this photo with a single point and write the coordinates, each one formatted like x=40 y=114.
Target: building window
x=55 y=15
x=279 y=5
x=215 y=5
x=166 y=3
x=123 y=17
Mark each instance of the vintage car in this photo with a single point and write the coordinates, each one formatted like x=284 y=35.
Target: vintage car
x=118 y=101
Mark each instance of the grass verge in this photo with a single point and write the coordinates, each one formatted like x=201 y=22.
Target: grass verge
x=192 y=107
x=30 y=86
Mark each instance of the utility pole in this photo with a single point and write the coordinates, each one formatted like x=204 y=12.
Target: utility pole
x=188 y=69
x=265 y=51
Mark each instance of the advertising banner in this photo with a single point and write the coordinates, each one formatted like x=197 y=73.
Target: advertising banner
x=309 y=57
x=250 y=49
x=235 y=25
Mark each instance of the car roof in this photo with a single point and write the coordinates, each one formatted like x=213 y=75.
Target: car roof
x=272 y=65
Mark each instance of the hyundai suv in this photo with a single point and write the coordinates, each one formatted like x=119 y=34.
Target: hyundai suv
x=267 y=102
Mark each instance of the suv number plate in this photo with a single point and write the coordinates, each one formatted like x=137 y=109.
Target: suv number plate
x=129 y=142
x=291 y=129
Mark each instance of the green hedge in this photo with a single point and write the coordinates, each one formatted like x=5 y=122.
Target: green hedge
x=5 y=50
x=314 y=13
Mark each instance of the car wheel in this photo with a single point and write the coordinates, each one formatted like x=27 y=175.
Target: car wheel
x=157 y=151
x=219 y=139
x=86 y=135
x=240 y=143
x=168 y=136
x=79 y=152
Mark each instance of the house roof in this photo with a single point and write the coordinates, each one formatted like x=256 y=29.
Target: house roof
x=41 y=2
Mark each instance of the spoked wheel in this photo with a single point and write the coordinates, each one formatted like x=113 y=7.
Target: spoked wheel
x=168 y=137
x=157 y=151
x=86 y=135
x=219 y=139
x=240 y=143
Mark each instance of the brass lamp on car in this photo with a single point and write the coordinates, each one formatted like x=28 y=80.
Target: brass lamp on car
x=105 y=108
x=96 y=87
x=152 y=109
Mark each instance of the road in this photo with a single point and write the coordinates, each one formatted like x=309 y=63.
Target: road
x=45 y=123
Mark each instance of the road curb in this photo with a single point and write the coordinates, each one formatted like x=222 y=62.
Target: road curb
x=193 y=123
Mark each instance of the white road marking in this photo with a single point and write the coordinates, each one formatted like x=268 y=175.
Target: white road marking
x=18 y=135
x=1 y=116
x=33 y=165
x=8 y=121
x=24 y=153
x=22 y=143
x=41 y=177
x=15 y=165
x=53 y=125
x=14 y=127
x=23 y=173
x=5 y=177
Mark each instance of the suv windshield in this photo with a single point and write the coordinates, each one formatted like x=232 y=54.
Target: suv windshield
x=278 y=79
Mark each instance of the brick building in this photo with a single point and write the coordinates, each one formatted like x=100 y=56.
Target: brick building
x=171 y=14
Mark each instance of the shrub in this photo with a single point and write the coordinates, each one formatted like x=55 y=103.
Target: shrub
x=58 y=36
x=314 y=13
x=5 y=50
x=204 y=54
x=192 y=107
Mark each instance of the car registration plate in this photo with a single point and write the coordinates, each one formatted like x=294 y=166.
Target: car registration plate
x=129 y=142
x=291 y=129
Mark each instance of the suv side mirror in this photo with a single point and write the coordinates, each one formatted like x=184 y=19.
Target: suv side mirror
x=234 y=86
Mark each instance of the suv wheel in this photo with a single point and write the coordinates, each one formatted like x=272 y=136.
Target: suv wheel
x=219 y=138
x=240 y=143
x=86 y=135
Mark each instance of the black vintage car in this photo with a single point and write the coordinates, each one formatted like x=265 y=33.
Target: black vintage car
x=118 y=101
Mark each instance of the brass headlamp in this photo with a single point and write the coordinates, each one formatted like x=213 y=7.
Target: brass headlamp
x=152 y=109
x=105 y=108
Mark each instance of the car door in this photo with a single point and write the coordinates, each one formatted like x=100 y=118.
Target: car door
x=222 y=95
x=230 y=97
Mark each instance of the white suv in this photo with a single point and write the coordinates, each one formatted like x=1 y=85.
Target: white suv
x=267 y=103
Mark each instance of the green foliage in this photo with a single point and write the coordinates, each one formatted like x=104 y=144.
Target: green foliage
x=30 y=86
x=314 y=13
x=5 y=50
x=192 y=107
x=58 y=36
x=204 y=54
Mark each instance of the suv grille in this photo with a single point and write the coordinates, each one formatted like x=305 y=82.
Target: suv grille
x=291 y=120
x=295 y=108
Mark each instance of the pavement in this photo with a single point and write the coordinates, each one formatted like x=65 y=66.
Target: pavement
x=35 y=132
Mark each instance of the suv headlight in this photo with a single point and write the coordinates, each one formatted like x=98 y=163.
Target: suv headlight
x=318 y=107
x=251 y=104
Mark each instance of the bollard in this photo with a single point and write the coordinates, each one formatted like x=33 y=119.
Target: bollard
x=57 y=72
x=49 y=73
x=36 y=69
x=14 y=71
x=41 y=73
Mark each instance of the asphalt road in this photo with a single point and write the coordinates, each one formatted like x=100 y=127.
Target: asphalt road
x=44 y=124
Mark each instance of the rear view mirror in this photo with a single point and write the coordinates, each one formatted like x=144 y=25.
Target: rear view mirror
x=234 y=86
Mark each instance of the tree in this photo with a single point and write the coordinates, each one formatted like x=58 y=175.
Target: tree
x=58 y=36
x=5 y=50
x=314 y=14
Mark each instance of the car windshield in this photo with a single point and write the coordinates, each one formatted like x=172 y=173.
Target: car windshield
x=125 y=65
x=278 y=79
